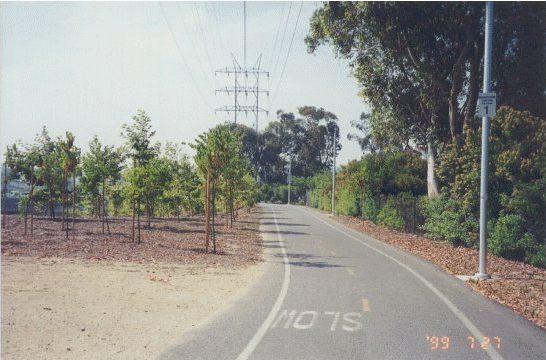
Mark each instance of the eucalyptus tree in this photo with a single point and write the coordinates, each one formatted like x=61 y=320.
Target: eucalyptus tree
x=322 y=136
x=307 y=141
x=271 y=164
x=419 y=64
x=365 y=139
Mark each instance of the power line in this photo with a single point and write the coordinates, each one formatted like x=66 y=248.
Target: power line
x=182 y=56
x=203 y=37
x=194 y=47
x=282 y=41
x=214 y=45
x=277 y=35
x=287 y=56
x=219 y=32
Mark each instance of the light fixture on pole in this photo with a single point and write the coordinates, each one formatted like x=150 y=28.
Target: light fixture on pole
x=334 y=176
x=289 y=176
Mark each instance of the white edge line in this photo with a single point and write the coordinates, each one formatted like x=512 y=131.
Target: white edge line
x=276 y=307
x=493 y=354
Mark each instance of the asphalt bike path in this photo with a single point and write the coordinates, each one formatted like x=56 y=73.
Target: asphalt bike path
x=328 y=292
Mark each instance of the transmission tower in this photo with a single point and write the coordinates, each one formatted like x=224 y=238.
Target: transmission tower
x=249 y=73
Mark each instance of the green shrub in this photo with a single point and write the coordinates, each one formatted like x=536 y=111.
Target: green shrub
x=538 y=257
x=516 y=186
x=389 y=216
x=321 y=191
x=510 y=240
x=23 y=204
x=505 y=237
x=348 y=202
x=369 y=207
x=280 y=193
x=447 y=220
x=298 y=190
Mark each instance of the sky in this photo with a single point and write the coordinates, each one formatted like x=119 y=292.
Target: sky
x=88 y=67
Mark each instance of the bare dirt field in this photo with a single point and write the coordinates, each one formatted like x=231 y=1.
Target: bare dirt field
x=106 y=297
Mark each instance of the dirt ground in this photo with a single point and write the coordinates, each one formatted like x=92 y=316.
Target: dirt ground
x=56 y=308
x=107 y=297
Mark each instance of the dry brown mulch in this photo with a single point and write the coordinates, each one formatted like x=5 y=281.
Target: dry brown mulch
x=167 y=240
x=519 y=286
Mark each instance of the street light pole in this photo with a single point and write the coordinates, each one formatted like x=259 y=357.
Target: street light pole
x=289 y=177
x=334 y=177
x=482 y=272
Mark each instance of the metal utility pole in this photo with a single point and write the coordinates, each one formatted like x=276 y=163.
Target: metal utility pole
x=289 y=177
x=486 y=108
x=4 y=193
x=244 y=37
x=334 y=178
x=237 y=89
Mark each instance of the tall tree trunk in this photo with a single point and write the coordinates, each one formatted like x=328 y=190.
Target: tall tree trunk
x=4 y=191
x=228 y=209
x=432 y=180
x=65 y=205
x=133 y=222
x=52 y=203
x=65 y=211
x=207 y=211
x=104 y=213
x=213 y=217
x=474 y=86
x=178 y=213
x=73 y=206
x=97 y=206
x=102 y=206
x=148 y=212
x=26 y=214
x=138 y=220
x=32 y=180
x=63 y=199
x=456 y=119
x=67 y=214
x=231 y=206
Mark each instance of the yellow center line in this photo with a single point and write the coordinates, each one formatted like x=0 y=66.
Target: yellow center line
x=333 y=253
x=350 y=272
x=365 y=305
